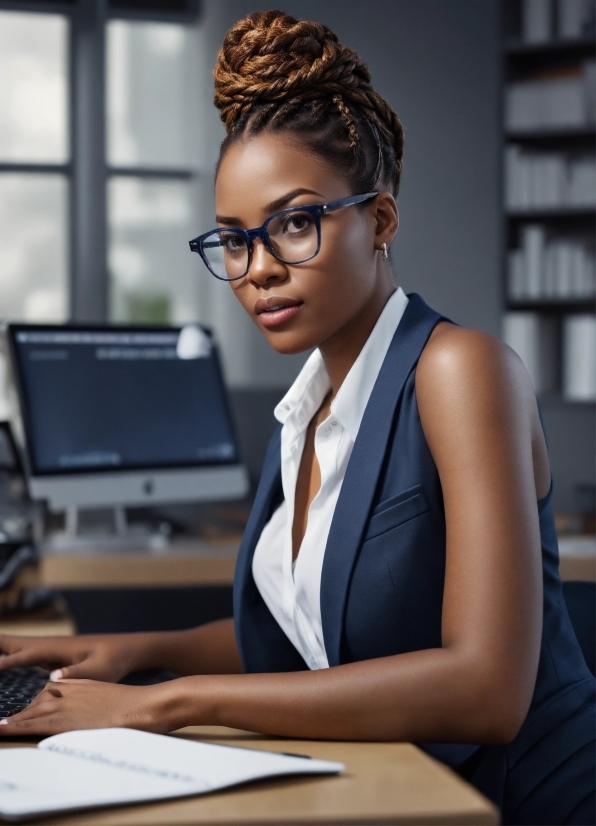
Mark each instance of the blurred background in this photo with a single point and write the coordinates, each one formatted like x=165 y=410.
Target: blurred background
x=108 y=140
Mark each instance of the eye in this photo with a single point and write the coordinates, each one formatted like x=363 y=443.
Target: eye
x=297 y=222
x=233 y=242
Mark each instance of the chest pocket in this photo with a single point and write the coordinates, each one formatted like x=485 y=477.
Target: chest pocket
x=395 y=511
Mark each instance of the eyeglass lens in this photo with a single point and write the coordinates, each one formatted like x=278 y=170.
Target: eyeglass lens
x=293 y=237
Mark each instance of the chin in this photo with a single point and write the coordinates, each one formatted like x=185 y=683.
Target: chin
x=290 y=344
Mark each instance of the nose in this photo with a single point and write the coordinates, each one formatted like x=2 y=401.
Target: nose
x=265 y=269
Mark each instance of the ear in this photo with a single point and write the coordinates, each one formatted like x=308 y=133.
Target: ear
x=386 y=217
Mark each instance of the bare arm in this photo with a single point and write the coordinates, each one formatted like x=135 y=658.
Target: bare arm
x=479 y=416
x=208 y=649
x=480 y=419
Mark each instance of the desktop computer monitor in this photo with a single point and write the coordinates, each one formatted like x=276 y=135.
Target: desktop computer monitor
x=122 y=416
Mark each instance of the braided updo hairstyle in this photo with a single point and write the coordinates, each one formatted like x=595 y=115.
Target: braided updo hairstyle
x=276 y=73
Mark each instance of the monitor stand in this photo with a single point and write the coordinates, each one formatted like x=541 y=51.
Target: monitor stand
x=123 y=537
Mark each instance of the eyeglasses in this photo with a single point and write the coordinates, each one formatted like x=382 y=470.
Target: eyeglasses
x=293 y=236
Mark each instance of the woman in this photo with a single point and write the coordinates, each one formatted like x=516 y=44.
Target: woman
x=398 y=575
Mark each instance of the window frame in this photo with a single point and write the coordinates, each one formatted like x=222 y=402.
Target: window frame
x=87 y=171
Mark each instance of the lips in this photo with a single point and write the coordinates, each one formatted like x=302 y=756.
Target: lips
x=274 y=303
x=276 y=310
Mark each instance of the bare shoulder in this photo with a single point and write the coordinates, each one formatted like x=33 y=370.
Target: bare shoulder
x=474 y=368
x=458 y=359
x=474 y=390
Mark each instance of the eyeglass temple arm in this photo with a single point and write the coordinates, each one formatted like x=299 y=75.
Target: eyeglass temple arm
x=344 y=202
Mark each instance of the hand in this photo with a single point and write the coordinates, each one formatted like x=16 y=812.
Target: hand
x=106 y=657
x=85 y=704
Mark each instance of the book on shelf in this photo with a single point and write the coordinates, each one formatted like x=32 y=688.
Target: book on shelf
x=579 y=357
x=550 y=269
x=581 y=182
x=545 y=20
x=548 y=180
x=566 y=99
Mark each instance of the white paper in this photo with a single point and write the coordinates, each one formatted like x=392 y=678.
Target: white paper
x=81 y=769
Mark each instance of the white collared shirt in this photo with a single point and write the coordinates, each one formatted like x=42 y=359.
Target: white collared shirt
x=290 y=590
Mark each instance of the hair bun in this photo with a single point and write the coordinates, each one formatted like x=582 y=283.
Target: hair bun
x=271 y=56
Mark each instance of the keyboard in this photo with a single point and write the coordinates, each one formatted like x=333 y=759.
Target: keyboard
x=18 y=686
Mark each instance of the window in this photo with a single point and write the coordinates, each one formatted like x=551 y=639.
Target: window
x=151 y=146
x=34 y=166
x=98 y=145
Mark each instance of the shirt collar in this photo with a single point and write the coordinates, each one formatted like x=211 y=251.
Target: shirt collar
x=312 y=384
x=306 y=395
x=352 y=397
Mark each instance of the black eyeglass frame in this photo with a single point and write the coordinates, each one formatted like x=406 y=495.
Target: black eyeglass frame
x=199 y=244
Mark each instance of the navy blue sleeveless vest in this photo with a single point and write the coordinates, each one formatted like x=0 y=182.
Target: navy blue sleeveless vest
x=382 y=590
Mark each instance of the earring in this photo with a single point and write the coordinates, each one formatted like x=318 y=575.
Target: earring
x=384 y=251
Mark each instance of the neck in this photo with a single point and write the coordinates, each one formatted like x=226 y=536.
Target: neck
x=341 y=350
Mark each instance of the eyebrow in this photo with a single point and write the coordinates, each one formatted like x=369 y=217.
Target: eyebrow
x=274 y=206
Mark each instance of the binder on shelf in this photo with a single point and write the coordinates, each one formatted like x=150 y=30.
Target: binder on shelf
x=533 y=241
x=579 y=357
x=575 y=19
x=516 y=276
x=537 y=21
x=581 y=184
x=534 y=339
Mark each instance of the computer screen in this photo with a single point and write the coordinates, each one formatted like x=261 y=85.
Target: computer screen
x=109 y=400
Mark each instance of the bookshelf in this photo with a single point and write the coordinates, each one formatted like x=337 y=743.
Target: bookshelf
x=549 y=193
x=548 y=223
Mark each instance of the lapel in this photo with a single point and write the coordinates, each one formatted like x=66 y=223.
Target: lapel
x=269 y=485
x=362 y=474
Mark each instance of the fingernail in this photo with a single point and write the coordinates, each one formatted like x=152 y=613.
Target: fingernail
x=56 y=675
x=3 y=722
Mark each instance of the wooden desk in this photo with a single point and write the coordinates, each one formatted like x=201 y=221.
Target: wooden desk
x=196 y=563
x=185 y=564
x=384 y=783
x=63 y=627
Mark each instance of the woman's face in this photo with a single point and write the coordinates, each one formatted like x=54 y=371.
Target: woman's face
x=324 y=298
